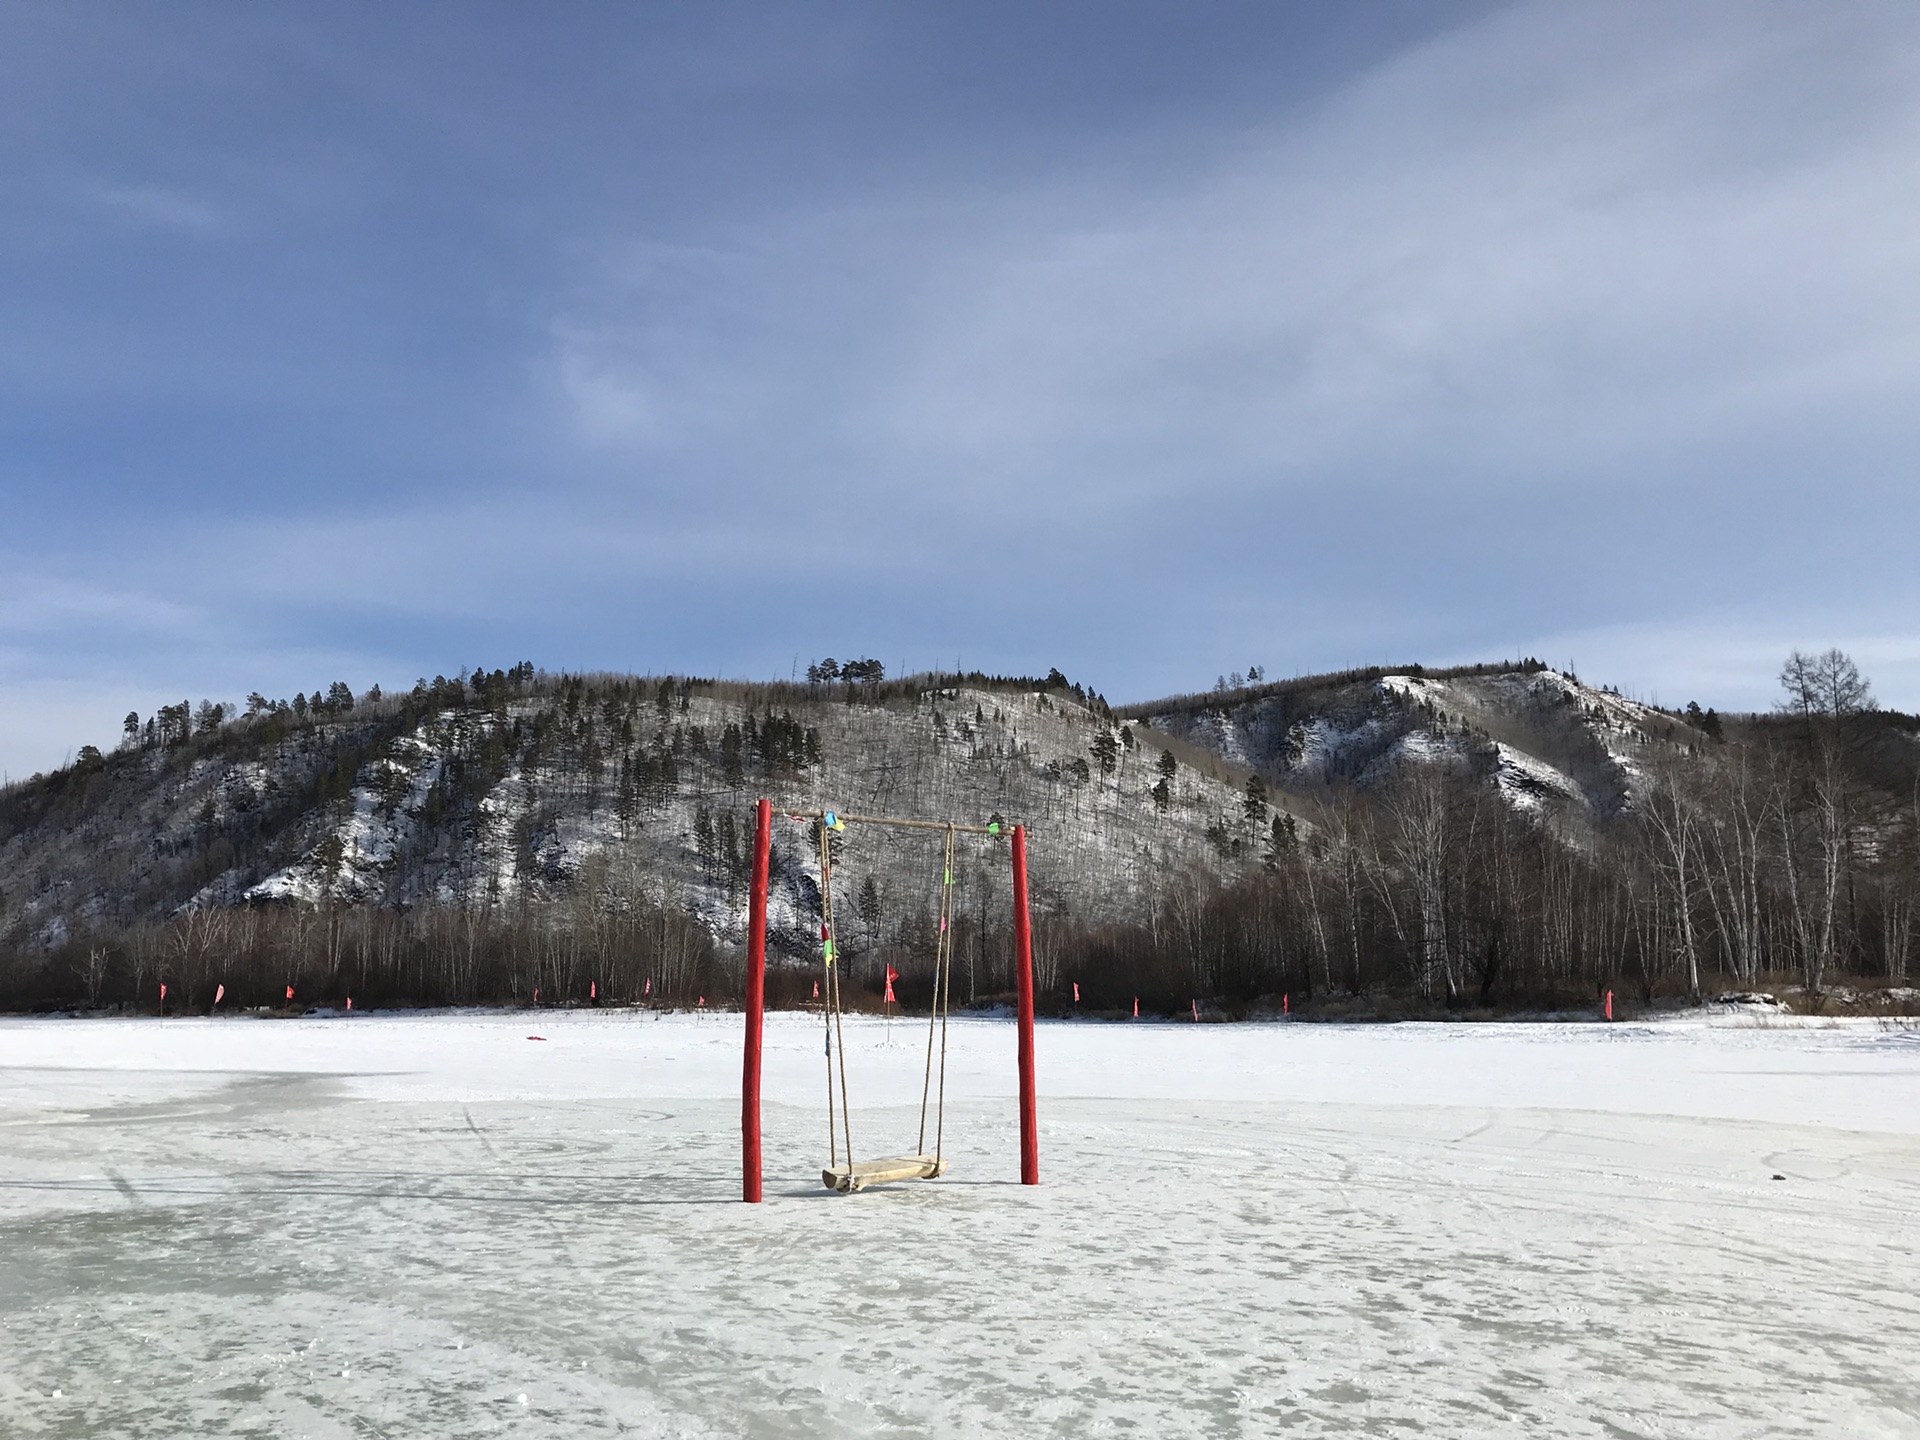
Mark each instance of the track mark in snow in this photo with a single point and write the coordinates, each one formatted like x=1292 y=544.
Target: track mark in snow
x=479 y=1135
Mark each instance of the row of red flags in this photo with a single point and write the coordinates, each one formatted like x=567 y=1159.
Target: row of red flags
x=593 y=991
x=220 y=993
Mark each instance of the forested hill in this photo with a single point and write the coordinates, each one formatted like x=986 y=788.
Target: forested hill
x=1488 y=835
x=537 y=799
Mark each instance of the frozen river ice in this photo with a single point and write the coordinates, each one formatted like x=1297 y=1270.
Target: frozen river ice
x=432 y=1226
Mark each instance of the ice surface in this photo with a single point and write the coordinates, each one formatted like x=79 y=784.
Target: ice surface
x=401 y=1226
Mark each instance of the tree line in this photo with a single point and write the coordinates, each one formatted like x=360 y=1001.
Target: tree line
x=1775 y=850
x=1778 y=850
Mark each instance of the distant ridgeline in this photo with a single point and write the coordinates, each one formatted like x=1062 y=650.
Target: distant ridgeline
x=1392 y=839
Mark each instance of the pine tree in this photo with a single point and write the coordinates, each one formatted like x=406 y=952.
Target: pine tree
x=626 y=802
x=703 y=837
x=1106 y=750
x=1281 y=837
x=730 y=857
x=730 y=766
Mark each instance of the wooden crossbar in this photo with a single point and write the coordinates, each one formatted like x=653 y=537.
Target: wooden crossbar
x=847 y=1179
x=902 y=824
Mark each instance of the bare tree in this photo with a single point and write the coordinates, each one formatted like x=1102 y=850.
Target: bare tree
x=1418 y=811
x=1736 y=834
x=1826 y=692
x=1828 y=686
x=94 y=967
x=1672 y=817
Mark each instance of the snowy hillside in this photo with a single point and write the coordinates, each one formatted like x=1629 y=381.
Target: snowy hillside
x=958 y=753
x=1542 y=739
x=495 y=792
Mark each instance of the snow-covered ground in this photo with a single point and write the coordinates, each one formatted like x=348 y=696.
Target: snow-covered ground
x=434 y=1226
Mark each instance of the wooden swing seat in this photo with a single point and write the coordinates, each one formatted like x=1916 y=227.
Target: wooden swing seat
x=881 y=1172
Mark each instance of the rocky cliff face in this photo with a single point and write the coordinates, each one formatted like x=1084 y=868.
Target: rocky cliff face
x=496 y=791
x=1549 y=744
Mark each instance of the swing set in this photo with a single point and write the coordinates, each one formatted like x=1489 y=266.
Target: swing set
x=847 y=1175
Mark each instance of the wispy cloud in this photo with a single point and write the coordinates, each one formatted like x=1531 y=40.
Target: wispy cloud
x=159 y=207
x=35 y=603
x=1553 y=245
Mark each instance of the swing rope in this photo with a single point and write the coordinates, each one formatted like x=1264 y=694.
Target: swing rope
x=836 y=1035
x=937 y=1015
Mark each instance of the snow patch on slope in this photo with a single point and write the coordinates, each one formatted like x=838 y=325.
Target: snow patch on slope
x=1527 y=783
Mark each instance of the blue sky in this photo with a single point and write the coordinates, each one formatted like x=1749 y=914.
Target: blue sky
x=1150 y=341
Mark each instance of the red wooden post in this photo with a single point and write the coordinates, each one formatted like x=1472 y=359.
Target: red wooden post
x=756 y=1009
x=1023 y=972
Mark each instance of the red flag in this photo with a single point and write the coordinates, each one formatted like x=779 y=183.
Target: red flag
x=219 y=993
x=1136 y=1007
x=349 y=1004
x=593 y=991
x=816 y=989
x=163 y=992
x=703 y=1002
x=536 y=994
x=1076 y=992
x=289 y=994
x=1196 y=1010
x=649 y=988
x=1286 y=1004
x=892 y=975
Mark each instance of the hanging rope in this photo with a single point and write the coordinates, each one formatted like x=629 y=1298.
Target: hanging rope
x=937 y=1015
x=836 y=1035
